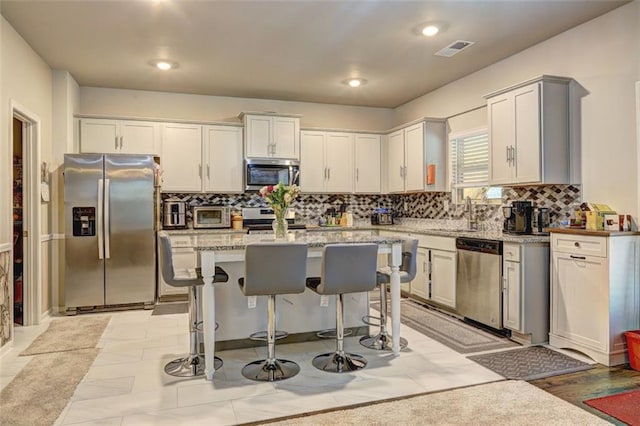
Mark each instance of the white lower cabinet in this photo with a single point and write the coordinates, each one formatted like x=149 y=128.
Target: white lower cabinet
x=420 y=284
x=435 y=278
x=595 y=294
x=525 y=291
x=443 y=277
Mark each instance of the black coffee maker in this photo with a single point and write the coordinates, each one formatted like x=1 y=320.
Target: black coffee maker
x=518 y=218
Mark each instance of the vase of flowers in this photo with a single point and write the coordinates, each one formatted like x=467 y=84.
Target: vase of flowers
x=279 y=197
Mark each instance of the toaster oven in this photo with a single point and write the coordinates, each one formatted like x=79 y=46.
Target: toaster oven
x=211 y=217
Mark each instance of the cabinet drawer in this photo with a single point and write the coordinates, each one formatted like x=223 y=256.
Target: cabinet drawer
x=511 y=252
x=580 y=244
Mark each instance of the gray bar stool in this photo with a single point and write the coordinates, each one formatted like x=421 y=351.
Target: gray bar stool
x=346 y=268
x=382 y=340
x=271 y=269
x=193 y=364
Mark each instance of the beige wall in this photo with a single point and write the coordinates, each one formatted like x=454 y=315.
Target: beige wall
x=602 y=56
x=25 y=80
x=162 y=105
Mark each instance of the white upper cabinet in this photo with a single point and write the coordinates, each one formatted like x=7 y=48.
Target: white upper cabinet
x=410 y=152
x=222 y=151
x=109 y=136
x=529 y=132
x=271 y=136
x=326 y=162
x=181 y=159
x=200 y=158
x=367 y=163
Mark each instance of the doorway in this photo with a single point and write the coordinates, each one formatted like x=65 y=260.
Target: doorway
x=18 y=223
x=26 y=216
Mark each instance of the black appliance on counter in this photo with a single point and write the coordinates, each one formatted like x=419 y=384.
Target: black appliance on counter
x=382 y=216
x=518 y=218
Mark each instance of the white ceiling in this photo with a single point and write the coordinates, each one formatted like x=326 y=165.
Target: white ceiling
x=288 y=50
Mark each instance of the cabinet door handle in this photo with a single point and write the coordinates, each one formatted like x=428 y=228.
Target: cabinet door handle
x=513 y=155
x=357 y=175
x=199 y=170
x=508 y=156
x=577 y=244
x=121 y=139
x=578 y=257
x=325 y=173
x=504 y=285
x=116 y=147
x=328 y=173
x=208 y=172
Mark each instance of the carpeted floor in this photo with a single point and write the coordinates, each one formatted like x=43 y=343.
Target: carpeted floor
x=448 y=330
x=68 y=334
x=535 y=362
x=39 y=393
x=624 y=406
x=499 y=403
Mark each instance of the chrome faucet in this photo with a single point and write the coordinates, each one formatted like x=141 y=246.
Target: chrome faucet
x=472 y=223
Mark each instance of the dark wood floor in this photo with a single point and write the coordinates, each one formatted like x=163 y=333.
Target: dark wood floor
x=594 y=383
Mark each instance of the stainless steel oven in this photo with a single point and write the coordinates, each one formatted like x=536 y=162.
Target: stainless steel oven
x=259 y=173
x=479 y=280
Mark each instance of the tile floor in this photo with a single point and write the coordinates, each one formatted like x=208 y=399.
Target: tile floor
x=126 y=385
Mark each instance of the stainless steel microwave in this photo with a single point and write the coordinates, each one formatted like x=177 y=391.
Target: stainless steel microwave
x=211 y=217
x=259 y=173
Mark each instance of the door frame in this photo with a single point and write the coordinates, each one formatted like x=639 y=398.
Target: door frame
x=32 y=274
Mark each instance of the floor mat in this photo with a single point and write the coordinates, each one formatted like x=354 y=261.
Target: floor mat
x=535 y=362
x=623 y=406
x=170 y=308
x=450 y=331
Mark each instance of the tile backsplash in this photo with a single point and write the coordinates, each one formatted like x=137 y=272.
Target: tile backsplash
x=561 y=199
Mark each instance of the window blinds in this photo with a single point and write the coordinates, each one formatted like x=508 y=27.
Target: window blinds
x=470 y=160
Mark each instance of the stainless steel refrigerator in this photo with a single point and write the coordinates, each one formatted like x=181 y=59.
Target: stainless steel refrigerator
x=109 y=231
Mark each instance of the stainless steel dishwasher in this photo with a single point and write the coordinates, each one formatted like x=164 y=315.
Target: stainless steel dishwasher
x=479 y=280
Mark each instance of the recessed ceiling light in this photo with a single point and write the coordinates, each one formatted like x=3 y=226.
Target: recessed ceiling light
x=355 y=82
x=430 y=30
x=164 y=65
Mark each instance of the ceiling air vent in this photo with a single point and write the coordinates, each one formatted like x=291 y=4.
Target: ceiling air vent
x=455 y=47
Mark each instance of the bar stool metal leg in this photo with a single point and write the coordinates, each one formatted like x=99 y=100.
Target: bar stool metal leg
x=382 y=340
x=193 y=364
x=270 y=369
x=339 y=361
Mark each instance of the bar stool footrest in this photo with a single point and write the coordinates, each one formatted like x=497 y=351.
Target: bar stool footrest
x=332 y=334
x=262 y=335
x=371 y=320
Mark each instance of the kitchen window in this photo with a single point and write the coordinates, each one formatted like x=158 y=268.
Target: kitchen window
x=469 y=166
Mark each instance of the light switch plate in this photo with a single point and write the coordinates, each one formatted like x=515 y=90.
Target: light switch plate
x=324 y=300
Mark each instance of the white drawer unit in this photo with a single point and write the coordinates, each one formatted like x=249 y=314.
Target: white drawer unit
x=581 y=245
x=595 y=293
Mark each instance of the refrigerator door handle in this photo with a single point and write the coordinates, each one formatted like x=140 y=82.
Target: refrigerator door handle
x=107 y=223
x=100 y=221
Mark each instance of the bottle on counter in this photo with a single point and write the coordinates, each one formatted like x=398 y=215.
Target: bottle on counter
x=236 y=221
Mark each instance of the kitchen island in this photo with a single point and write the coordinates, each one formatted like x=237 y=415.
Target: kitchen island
x=227 y=250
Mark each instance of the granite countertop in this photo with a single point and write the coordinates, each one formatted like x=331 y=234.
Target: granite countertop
x=313 y=239
x=411 y=229
x=593 y=232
